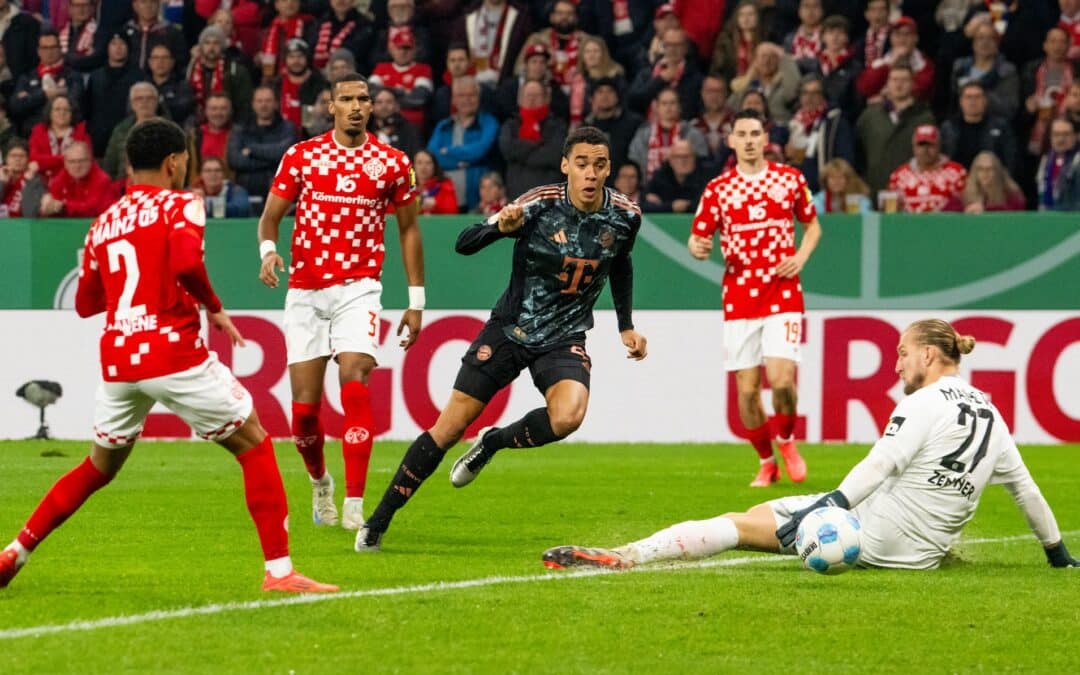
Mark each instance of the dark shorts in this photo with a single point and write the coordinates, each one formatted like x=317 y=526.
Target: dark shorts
x=494 y=361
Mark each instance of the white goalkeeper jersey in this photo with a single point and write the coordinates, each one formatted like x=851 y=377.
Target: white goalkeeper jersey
x=947 y=442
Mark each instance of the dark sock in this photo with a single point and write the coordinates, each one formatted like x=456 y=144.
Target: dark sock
x=420 y=461
x=530 y=431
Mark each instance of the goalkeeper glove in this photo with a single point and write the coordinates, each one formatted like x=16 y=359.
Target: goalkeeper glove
x=1058 y=556
x=786 y=532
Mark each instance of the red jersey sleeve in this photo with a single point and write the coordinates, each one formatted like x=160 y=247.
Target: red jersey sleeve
x=805 y=211
x=403 y=189
x=186 y=250
x=287 y=181
x=707 y=218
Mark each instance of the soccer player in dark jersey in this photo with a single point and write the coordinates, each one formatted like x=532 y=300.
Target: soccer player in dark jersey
x=570 y=238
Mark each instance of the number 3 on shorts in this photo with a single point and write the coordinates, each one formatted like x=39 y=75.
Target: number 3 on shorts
x=374 y=321
x=791 y=331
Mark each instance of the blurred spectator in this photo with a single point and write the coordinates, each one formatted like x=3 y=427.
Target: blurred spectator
x=1071 y=104
x=390 y=127
x=805 y=42
x=1070 y=23
x=673 y=71
x=842 y=191
x=776 y=76
x=319 y=120
x=7 y=131
x=492 y=194
x=19 y=38
x=342 y=27
x=1020 y=25
x=903 y=38
x=173 y=90
x=613 y=119
x=463 y=142
x=402 y=15
x=107 y=92
x=145 y=104
x=594 y=64
x=234 y=49
x=652 y=142
x=974 y=129
x=221 y=197
x=413 y=82
x=677 y=185
x=930 y=182
x=214 y=72
x=989 y=187
x=60 y=130
x=664 y=19
x=738 y=40
x=1058 y=166
x=714 y=120
x=622 y=25
x=7 y=79
x=80 y=190
x=211 y=138
x=37 y=87
x=458 y=64
x=988 y=67
x=244 y=21
x=437 y=194
x=838 y=67
x=341 y=62
x=256 y=148
x=147 y=29
x=16 y=173
x=563 y=40
x=80 y=43
x=288 y=23
x=531 y=142
x=873 y=44
x=628 y=180
x=298 y=85
x=495 y=31
x=884 y=129
x=536 y=67
x=701 y=19
x=819 y=133
x=1045 y=84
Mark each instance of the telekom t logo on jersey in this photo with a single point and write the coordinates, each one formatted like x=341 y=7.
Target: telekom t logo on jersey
x=345 y=184
x=756 y=211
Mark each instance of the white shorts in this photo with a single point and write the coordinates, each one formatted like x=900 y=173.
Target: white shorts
x=328 y=321
x=748 y=342
x=208 y=397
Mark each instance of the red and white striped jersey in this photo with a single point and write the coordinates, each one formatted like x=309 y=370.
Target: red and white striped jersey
x=754 y=215
x=343 y=196
x=929 y=190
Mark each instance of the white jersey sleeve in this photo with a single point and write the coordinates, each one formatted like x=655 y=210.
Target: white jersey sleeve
x=909 y=428
x=1012 y=473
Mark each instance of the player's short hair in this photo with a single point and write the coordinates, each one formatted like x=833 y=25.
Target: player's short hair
x=585 y=134
x=748 y=114
x=347 y=77
x=149 y=142
x=941 y=334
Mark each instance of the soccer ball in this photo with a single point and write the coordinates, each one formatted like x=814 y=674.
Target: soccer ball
x=829 y=540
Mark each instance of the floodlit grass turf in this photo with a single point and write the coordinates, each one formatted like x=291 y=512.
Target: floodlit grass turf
x=172 y=531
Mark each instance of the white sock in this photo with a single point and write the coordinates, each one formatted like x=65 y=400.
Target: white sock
x=279 y=567
x=326 y=479
x=359 y=501
x=690 y=539
x=21 y=552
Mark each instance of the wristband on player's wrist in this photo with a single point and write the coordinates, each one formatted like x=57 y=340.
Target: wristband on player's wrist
x=266 y=246
x=416 y=297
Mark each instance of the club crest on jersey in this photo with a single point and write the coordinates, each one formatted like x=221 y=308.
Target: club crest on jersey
x=894 y=425
x=374 y=168
x=777 y=193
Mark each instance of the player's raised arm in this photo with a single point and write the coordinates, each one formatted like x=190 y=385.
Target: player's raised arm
x=505 y=223
x=269 y=224
x=412 y=256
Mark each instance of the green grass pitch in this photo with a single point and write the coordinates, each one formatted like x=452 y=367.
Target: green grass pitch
x=172 y=532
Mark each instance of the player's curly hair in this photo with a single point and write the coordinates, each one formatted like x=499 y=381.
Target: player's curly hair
x=585 y=134
x=941 y=334
x=149 y=142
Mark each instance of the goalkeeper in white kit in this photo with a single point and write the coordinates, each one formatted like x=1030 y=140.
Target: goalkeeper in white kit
x=913 y=493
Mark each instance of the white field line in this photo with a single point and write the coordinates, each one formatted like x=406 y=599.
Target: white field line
x=222 y=608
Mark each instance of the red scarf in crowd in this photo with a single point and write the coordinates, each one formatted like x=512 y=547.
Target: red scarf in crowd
x=806 y=46
x=327 y=44
x=744 y=51
x=12 y=196
x=214 y=142
x=875 y=44
x=482 y=27
x=290 y=99
x=84 y=43
x=578 y=87
x=198 y=81
x=283 y=30
x=564 y=58
x=1037 y=142
x=57 y=144
x=808 y=118
x=660 y=141
x=531 y=119
x=830 y=63
x=54 y=70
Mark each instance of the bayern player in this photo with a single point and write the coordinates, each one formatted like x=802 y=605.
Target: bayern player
x=751 y=206
x=569 y=239
x=913 y=493
x=143 y=266
x=344 y=179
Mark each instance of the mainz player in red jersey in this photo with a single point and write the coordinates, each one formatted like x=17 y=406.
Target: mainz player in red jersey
x=143 y=266
x=751 y=206
x=343 y=181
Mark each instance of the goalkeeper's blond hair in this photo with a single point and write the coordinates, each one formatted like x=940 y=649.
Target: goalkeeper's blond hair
x=941 y=334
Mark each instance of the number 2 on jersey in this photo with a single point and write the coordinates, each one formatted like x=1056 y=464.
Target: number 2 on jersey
x=123 y=250
x=952 y=461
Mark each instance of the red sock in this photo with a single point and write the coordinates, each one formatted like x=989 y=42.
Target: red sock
x=63 y=499
x=761 y=440
x=265 y=496
x=784 y=426
x=308 y=435
x=358 y=438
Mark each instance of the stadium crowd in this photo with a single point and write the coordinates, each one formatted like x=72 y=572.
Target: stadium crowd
x=911 y=105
